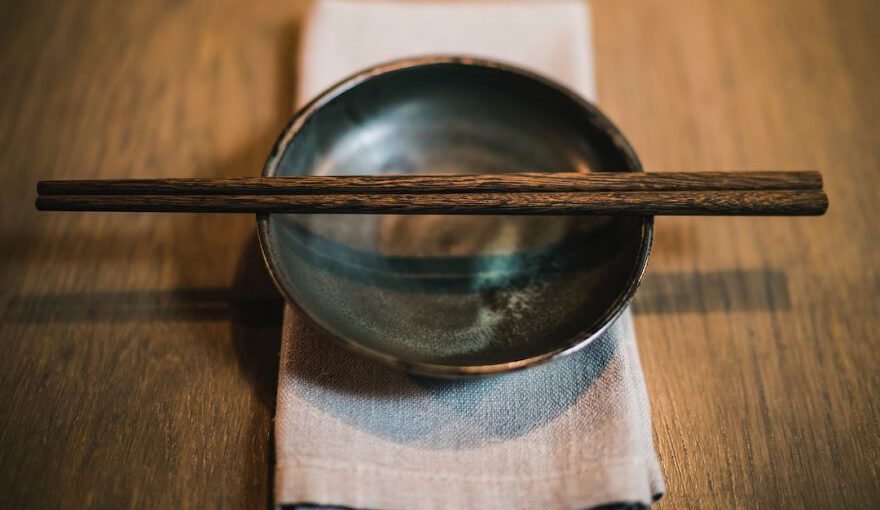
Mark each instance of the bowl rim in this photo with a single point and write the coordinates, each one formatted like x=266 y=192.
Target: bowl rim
x=569 y=345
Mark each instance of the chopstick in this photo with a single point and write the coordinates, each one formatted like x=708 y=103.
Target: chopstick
x=655 y=193
x=515 y=182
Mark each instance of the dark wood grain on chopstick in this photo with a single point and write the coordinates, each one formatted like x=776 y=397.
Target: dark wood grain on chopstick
x=784 y=202
x=517 y=182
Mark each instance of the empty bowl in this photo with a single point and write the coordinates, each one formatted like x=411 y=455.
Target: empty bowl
x=454 y=295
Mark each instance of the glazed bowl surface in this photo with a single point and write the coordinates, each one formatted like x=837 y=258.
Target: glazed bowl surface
x=450 y=294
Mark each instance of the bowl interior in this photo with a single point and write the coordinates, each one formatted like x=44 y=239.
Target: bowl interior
x=438 y=292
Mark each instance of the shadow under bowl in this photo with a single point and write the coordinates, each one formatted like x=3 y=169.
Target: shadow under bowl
x=454 y=295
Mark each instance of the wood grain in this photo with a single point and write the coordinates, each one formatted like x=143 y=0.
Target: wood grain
x=508 y=183
x=140 y=350
x=760 y=339
x=682 y=203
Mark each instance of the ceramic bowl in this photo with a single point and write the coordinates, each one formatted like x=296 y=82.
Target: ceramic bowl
x=454 y=295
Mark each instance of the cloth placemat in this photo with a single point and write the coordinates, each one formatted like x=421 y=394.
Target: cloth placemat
x=573 y=433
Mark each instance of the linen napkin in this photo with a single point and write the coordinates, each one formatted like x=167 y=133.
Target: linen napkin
x=573 y=433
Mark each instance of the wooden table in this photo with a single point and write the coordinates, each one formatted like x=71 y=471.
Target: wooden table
x=139 y=351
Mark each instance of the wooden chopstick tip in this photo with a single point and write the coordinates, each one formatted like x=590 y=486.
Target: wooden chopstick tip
x=824 y=202
x=40 y=204
x=46 y=187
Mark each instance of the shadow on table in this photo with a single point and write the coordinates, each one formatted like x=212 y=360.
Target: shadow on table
x=254 y=300
x=713 y=291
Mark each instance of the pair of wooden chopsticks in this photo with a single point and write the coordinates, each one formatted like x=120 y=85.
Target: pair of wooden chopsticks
x=655 y=193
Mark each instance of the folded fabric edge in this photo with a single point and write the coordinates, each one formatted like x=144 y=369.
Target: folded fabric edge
x=311 y=506
x=301 y=483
